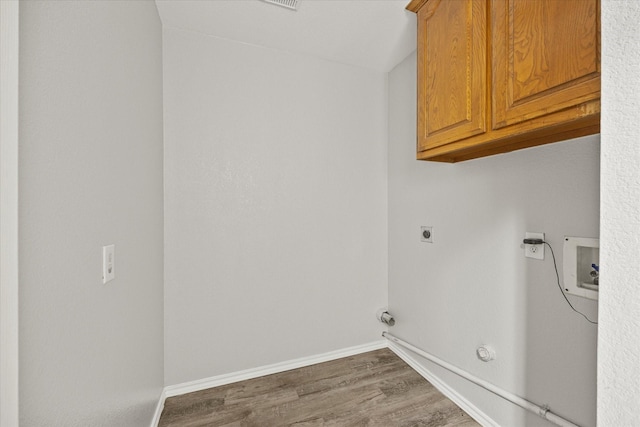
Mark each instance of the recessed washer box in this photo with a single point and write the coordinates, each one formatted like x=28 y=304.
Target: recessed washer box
x=581 y=266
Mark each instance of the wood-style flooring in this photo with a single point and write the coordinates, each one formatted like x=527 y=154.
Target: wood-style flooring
x=369 y=389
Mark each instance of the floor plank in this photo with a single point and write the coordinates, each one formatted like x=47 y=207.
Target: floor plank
x=375 y=389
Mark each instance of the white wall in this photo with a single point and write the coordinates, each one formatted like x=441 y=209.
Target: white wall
x=473 y=285
x=90 y=175
x=619 y=342
x=275 y=206
x=9 y=42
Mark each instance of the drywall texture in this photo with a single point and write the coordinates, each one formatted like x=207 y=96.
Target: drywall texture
x=619 y=342
x=9 y=41
x=90 y=175
x=473 y=285
x=275 y=206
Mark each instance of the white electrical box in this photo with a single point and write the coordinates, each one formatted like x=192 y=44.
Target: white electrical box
x=581 y=266
x=108 y=263
x=534 y=251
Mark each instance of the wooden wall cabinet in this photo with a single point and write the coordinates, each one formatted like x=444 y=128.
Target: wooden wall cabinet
x=500 y=75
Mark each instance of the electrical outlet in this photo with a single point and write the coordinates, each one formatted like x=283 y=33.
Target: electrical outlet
x=534 y=251
x=426 y=234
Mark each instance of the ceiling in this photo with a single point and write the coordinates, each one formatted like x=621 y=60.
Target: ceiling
x=374 y=34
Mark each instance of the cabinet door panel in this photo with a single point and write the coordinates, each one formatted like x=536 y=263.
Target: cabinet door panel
x=546 y=56
x=451 y=71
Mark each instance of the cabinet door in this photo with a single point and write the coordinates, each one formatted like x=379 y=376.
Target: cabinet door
x=452 y=71
x=545 y=57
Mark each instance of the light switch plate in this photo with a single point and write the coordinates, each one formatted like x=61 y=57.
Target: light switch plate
x=108 y=263
x=534 y=251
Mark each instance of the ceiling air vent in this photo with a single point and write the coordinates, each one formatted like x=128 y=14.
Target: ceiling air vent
x=289 y=4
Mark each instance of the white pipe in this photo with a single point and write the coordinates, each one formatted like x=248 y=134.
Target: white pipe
x=542 y=411
x=383 y=316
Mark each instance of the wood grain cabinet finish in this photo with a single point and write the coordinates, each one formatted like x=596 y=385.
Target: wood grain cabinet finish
x=500 y=75
x=452 y=73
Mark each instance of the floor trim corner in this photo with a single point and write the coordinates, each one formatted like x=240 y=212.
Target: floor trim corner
x=464 y=404
x=159 y=407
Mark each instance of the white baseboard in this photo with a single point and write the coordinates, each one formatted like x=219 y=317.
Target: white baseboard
x=219 y=380
x=159 y=408
x=473 y=411
x=203 y=384
x=197 y=385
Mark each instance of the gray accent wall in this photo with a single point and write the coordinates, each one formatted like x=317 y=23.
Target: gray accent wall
x=473 y=285
x=275 y=205
x=91 y=169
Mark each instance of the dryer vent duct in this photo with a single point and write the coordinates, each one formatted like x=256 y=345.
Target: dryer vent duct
x=289 y=4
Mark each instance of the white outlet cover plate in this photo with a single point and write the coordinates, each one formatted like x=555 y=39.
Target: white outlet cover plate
x=108 y=263
x=534 y=251
x=430 y=230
